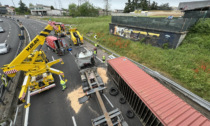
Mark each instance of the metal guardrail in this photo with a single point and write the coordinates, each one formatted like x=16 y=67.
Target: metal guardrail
x=205 y=104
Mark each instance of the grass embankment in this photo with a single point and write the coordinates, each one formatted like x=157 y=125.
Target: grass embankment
x=188 y=65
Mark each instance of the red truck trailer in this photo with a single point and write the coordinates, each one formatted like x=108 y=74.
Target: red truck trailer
x=153 y=103
x=58 y=45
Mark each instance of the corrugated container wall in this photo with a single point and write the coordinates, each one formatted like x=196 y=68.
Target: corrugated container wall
x=152 y=102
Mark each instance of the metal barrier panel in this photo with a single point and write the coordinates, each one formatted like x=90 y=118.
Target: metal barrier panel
x=154 y=37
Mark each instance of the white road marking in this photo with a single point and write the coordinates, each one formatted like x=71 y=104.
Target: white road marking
x=9 y=32
x=73 y=119
x=99 y=59
x=70 y=53
x=108 y=101
x=48 y=48
x=5 y=41
x=53 y=58
x=7 y=35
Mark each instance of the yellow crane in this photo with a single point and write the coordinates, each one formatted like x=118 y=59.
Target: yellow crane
x=33 y=61
x=75 y=36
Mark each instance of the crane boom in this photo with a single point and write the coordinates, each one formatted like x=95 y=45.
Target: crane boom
x=18 y=63
x=38 y=40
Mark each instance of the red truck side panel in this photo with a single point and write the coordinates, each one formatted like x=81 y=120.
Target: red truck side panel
x=165 y=105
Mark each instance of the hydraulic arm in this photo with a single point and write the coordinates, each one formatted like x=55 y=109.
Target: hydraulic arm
x=37 y=68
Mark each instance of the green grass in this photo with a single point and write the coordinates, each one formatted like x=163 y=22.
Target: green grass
x=188 y=65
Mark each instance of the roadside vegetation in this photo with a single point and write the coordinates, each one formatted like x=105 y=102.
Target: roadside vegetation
x=188 y=65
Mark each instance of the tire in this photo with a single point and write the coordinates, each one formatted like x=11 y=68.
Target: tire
x=113 y=91
x=41 y=84
x=130 y=114
x=122 y=100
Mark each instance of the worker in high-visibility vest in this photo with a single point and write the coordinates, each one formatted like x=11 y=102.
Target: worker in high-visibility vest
x=95 y=53
x=95 y=49
x=63 y=84
x=4 y=80
x=103 y=58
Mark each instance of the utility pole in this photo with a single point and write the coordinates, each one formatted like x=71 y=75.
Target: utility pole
x=13 y=3
x=60 y=6
x=55 y=5
x=106 y=6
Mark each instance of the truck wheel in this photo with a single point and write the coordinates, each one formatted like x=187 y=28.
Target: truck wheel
x=130 y=114
x=113 y=91
x=41 y=84
x=122 y=100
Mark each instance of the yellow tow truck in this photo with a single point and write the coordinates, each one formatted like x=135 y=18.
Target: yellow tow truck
x=37 y=68
x=75 y=36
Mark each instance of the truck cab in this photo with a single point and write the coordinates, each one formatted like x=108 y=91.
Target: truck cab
x=58 y=45
x=85 y=59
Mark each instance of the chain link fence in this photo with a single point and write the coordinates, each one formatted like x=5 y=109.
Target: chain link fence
x=197 y=14
x=164 y=24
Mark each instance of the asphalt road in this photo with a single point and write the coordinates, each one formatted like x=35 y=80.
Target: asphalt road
x=10 y=36
x=52 y=108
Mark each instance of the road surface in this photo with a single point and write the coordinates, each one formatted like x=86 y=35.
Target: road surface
x=10 y=36
x=53 y=108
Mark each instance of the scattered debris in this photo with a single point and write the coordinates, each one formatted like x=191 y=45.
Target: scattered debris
x=102 y=73
x=73 y=98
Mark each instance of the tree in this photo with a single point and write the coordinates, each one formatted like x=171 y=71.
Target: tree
x=164 y=7
x=154 y=6
x=144 y=5
x=52 y=8
x=128 y=7
x=22 y=8
x=73 y=10
x=87 y=9
x=30 y=5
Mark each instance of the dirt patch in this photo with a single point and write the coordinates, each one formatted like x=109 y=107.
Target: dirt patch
x=166 y=13
x=102 y=73
x=89 y=34
x=73 y=98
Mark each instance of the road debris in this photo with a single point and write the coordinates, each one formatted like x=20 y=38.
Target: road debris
x=73 y=98
x=102 y=73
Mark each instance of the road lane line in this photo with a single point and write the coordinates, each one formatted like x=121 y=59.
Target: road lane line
x=5 y=41
x=27 y=109
x=99 y=59
x=73 y=119
x=53 y=58
x=27 y=33
x=70 y=53
x=108 y=101
x=7 y=35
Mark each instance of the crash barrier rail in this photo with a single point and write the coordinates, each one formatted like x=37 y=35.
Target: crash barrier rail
x=163 y=24
x=201 y=102
x=4 y=88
